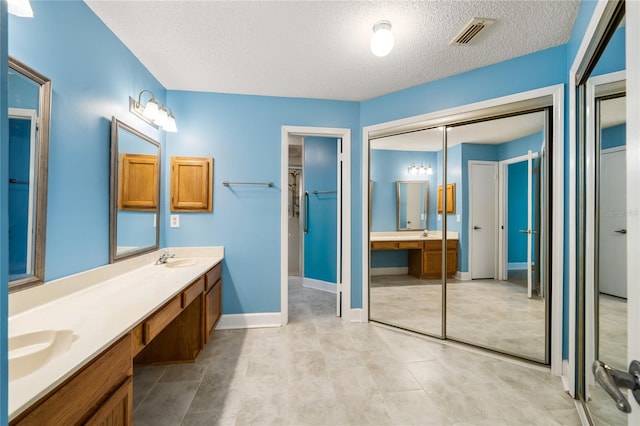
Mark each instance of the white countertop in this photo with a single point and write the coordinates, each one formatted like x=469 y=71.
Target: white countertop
x=99 y=306
x=411 y=236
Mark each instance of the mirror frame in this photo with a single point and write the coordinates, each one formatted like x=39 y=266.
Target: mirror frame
x=426 y=203
x=40 y=223
x=113 y=199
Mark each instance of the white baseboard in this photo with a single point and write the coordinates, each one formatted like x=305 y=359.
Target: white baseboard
x=319 y=285
x=396 y=270
x=516 y=265
x=463 y=276
x=260 y=320
x=356 y=315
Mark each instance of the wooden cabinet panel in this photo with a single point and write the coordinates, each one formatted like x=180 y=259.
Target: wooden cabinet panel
x=138 y=182
x=384 y=245
x=154 y=325
x=137 y=339
x=212 y=276
x=191 y=184
x=213 y=308
x=117 y=410
x=409 y=244
x=81 y=396
x=190 y=294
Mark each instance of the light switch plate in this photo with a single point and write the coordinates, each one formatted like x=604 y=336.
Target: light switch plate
x=458 y=218
x=155 y=220
x=175 y=221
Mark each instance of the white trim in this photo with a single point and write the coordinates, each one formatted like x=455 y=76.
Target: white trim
x=496 y=222
x=558 y=263
x=588 y=35
x=356 y=315
x=614 y=149
x=345 y=249
x=319 y=285
x=517 y=265
x=633 y=181
x=391 y=270
x=463 y=276
x=261 y=320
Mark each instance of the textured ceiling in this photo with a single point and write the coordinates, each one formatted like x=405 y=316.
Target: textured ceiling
x=320 y=49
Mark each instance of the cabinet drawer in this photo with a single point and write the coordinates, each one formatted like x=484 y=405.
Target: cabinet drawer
x=190 y=294
x=410 y=244
x=384 y=245
x=154 y=325
x=137 y=341
x=82 y=394
x=213 y=276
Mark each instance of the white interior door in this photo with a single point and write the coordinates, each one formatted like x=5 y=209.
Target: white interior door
x=483 y=208
x=414 y=196
x=613 y=223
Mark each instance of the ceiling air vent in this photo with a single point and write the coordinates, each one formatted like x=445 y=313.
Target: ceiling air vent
x=471 y=30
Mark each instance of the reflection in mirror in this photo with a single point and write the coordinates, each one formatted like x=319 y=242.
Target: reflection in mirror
x=406 y=265
x=412 y=204
x=498 y=300
x=135 y=192
x=29 y=95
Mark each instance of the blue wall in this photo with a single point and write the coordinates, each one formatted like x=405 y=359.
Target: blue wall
x=246 y=220
x=93 y=74
x=615 y=136
x=4 y=210
x=388 y=167
x=320 y=174
x=517 y=211
x=19 y=161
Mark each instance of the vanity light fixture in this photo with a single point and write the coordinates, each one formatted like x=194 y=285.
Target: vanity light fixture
x=382 y=38
x=153 y=112
x=21 y=8
x=420 y=170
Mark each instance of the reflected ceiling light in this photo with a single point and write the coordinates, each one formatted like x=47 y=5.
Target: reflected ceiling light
x=429 y=169
x=21 y=8
x=153 y=112
x=382 y=38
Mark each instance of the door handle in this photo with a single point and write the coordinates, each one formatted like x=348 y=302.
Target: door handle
x=621 y=231
x=526 y=231
x=477 y=228
x=306 y=212
x=611 y=380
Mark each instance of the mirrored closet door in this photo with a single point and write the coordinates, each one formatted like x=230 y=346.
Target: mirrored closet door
x=473 y=267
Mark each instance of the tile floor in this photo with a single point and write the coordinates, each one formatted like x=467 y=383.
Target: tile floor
x=320 y=371
x=489 y=313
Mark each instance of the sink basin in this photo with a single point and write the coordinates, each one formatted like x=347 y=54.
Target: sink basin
x=180 y=263
x=31 y=351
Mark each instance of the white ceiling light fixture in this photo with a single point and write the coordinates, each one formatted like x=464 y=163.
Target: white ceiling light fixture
x=21 y=8
x=382 y=38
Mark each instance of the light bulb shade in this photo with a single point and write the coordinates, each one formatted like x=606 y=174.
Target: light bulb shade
x=422 y=170
x=151 y=110
x=21 y=8
x=429 y=169
x=170 y=125
x=382 y=39
x=162 y=118
x=412 y=170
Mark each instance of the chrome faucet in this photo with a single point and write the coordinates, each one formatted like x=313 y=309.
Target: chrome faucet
x=165 y=256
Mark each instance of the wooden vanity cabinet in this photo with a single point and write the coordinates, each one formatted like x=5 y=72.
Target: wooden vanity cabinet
x=99 y=394
x=212 y=300
x=425 y=256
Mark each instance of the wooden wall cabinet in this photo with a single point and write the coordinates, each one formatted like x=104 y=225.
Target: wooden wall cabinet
x=138 y=182
x=191 y=184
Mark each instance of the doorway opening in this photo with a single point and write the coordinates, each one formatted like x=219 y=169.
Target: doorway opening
x=315 y=225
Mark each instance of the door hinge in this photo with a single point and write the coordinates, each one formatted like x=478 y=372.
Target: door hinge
x=340 y=156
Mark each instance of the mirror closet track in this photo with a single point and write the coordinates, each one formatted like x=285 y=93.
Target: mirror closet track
x=459 y=229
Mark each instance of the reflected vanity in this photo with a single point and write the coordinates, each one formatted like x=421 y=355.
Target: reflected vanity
x=135 y=192
x=29 y=96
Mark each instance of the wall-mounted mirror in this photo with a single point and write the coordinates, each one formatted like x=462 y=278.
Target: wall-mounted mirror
x=411 y=204
x=135 y=192
x=29 y=94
